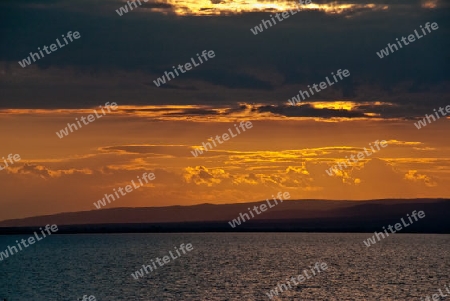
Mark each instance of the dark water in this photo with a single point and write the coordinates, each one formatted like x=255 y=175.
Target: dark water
x=226 y=267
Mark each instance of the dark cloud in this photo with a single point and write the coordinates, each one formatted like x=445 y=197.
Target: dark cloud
x=307 y=110
x=119 y=57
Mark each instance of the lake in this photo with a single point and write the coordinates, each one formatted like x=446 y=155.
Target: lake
x=225 y=266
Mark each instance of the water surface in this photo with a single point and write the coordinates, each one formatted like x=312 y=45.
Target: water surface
x=225 y=266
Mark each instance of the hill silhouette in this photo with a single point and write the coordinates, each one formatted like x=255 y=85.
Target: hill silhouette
x=299 y=215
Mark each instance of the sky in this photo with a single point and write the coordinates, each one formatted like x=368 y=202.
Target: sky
x=251 y=78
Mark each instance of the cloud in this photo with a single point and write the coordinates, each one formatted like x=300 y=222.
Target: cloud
x=404 y=143
x=46 y=173
x=267 y=69
x=163 y=150
x=414 y=176
x=331 y=110
x=200 y=175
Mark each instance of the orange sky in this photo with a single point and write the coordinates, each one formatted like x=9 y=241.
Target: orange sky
x=119 y=57
x=277 y=154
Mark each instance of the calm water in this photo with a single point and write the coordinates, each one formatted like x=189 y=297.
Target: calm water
x=225 y=267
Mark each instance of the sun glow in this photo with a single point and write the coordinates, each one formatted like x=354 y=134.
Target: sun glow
x=231 y=7
x=335 y=105
x=429 y=3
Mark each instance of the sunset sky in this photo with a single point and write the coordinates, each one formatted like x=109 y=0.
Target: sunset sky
x=250 y=78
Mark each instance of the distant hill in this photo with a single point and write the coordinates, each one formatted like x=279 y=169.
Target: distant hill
x=300 y=215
